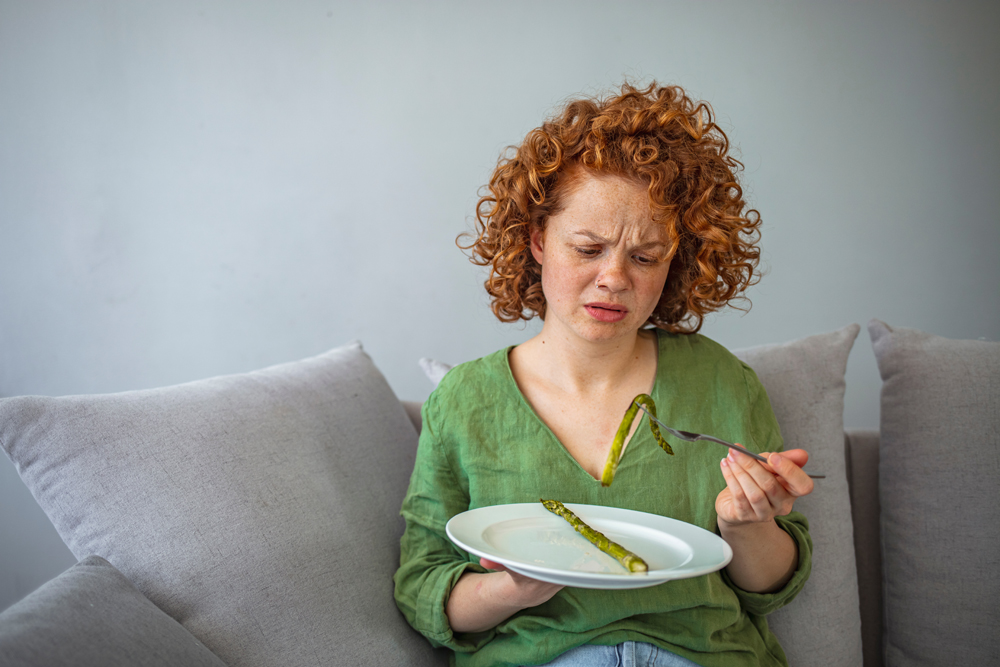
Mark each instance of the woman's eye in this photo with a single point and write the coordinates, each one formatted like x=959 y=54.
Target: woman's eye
x=587 y=252
x=642 y=259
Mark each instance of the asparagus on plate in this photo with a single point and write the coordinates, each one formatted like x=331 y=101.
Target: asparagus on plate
x=628 y=559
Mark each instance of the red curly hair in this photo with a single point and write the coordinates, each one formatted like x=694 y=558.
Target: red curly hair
x=656 y=136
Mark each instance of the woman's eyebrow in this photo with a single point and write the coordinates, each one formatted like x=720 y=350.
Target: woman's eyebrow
x=597 y=238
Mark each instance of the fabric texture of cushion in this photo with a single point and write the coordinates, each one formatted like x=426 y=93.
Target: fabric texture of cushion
x=862 y=477
x=260 y=510
x=804 y=380
x=434 y=369
x=91 y=616
x=939 y=470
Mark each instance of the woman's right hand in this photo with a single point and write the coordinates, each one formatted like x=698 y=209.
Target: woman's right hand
x=522 y=590
x=481 y=601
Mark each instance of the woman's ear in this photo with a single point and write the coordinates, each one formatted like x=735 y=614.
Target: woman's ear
x=537 y=242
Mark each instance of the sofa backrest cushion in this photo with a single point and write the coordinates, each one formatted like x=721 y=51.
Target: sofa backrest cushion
x=804 y=380
x=91 y=616
x=260 y=510
x=861 y=454
x=939 y=473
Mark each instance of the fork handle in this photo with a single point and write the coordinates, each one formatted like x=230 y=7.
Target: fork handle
x=732 y=446
x=747 y=452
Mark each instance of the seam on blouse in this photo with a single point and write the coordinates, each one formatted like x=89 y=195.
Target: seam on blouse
x=751 y=426
x=433 y=431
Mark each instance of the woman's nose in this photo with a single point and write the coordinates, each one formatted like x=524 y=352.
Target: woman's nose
x=613 y=275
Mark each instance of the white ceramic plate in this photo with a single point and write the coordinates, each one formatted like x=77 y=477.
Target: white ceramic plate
x=529 y=539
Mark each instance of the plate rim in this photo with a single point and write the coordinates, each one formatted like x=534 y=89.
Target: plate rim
x=591 y=579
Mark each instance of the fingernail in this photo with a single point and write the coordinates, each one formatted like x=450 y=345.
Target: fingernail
x=725 y=462
x=732 y=455
x=775 y=460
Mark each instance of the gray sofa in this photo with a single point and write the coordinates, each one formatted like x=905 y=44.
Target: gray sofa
x=253 y=519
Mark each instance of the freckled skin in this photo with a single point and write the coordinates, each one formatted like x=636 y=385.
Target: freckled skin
x=603 y=247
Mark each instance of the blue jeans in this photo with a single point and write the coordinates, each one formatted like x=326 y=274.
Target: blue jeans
x=629 y=654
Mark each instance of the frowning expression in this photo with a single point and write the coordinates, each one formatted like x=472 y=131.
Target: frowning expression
x=604 y=260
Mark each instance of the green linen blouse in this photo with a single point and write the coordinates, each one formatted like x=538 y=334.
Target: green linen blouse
x=482 y=444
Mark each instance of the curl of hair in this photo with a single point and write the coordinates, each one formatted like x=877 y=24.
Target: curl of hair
x=656 y=136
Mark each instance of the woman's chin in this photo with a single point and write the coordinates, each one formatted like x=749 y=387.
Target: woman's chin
x=599 y=332
x=589 y=328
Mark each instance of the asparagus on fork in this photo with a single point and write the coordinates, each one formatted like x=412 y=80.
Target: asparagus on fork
x=619 y=442
x=629 y=560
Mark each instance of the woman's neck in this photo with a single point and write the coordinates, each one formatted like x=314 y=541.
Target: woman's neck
x=581 y=367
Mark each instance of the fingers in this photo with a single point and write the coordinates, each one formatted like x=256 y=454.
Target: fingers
x=740 y=506
x=799 y=457
x=779 y=478
x=756 y=493
x=796 y=481
x=491 y=565
x=760 y=491
x=791 y=462
x=499 y=567
x=762 y=475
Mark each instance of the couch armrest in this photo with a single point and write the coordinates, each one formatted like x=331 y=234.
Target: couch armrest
x=92 y=616
x=861 y=454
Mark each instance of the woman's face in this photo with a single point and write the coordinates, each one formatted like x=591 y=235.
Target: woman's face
x=604 y=261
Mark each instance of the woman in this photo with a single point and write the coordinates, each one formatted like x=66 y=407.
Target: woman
x=620 y=223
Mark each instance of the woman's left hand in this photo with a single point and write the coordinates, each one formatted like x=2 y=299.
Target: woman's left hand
x=756 y=492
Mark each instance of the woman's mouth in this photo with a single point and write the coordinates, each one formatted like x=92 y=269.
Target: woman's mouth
x=606 y=312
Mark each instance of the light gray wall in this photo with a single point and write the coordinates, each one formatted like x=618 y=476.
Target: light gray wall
x=193 y=188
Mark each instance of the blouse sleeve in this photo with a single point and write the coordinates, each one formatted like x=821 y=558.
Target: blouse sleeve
x=430 y=564
x=762 y=604
x=767 y=438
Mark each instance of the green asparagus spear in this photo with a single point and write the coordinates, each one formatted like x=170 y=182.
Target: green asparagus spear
x=616 y=446
x=631 y=562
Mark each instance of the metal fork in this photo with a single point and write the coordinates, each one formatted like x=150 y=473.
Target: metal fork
x=692 y=437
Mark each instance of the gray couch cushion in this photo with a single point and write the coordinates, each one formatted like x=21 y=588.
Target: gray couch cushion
x=861 y=449
x=260 y=510
x=804 y=379
x=91 y=616
x=939 y=475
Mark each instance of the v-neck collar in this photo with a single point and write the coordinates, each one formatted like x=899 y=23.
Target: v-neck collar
x=654 y=393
